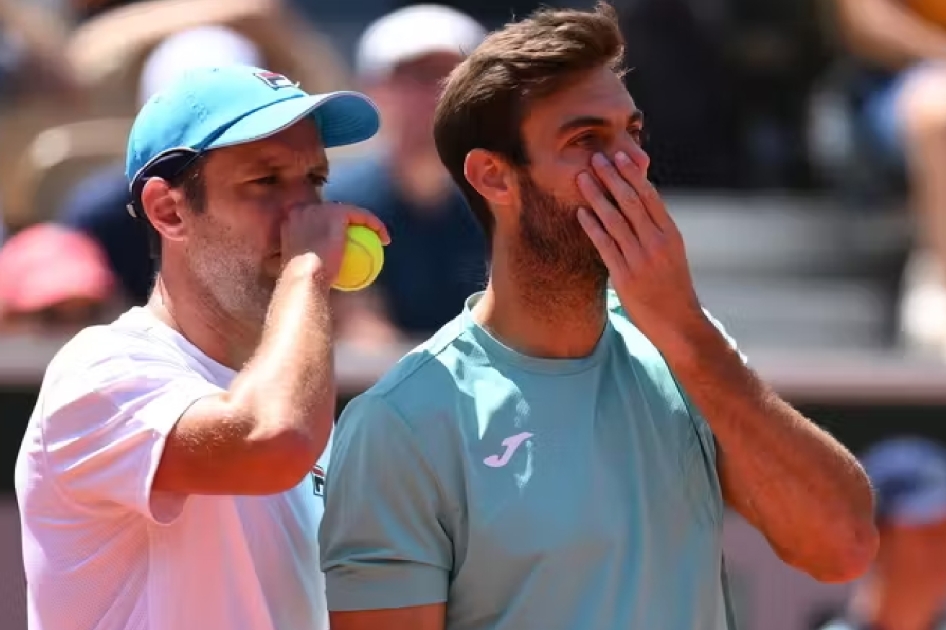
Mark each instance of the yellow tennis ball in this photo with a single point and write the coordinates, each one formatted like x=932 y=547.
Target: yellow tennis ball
x=362 y=261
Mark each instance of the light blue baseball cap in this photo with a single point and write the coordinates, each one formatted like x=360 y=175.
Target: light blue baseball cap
x=213 y=107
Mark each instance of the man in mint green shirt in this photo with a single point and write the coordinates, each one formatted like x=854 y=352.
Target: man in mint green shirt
x=560 y=455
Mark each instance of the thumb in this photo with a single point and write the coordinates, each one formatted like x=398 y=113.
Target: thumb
x=338 y=228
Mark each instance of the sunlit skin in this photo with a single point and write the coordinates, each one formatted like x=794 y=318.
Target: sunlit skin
x=222 y=263
x=545 y=268
x=252 y=186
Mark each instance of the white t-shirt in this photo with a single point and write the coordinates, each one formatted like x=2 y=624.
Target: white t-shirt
x=104 y=552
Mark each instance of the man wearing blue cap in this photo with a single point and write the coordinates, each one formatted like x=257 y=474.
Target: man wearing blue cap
x=171 y=472
x=906 y=587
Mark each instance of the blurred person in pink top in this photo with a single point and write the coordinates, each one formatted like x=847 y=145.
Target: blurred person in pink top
x=54 y=277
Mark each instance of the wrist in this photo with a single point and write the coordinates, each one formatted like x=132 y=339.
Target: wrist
x=688 y=341
x=308 y=267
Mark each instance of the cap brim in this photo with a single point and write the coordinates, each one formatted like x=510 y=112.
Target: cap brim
x=342 y=118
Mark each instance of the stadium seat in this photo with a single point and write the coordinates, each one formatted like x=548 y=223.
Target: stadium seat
x=57 y=159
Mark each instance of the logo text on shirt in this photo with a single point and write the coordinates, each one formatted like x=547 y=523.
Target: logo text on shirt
x=318 y=480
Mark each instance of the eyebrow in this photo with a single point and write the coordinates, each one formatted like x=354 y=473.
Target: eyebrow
x=584 y=122
x=268 y=163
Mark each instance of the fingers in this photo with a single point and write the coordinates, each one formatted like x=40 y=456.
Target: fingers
x=608 y=216
x=626 y=213
x=359 y=216
x=614 y=182
x=628 y=198
x=614 y=259
x=648 y=196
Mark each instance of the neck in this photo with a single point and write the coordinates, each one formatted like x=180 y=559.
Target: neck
x=543 y=317
x=885 y=606
x=202 y=321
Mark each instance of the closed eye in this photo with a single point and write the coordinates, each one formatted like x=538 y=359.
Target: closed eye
x=268 y=180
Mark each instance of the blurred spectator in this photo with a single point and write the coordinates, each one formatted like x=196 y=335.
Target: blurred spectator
x=83 y=10
x=54 y=278
x=906 y=588
x=108 y=50
x=97 y=205
x=902 y=109
x=437 y=256
x=38 y=86
x=31 y=57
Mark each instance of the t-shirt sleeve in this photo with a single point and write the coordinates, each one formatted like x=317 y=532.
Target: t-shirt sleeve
x=706 y=437
x=383 y=540
x=615 y=306
x=104 y=429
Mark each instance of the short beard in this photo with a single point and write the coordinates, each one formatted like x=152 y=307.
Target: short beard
x=235 y=285
x=558 y=264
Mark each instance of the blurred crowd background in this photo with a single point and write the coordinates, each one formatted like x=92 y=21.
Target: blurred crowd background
x=800 y=145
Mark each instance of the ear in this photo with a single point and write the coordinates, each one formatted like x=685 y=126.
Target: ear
x=491 y=176
x=162 y=205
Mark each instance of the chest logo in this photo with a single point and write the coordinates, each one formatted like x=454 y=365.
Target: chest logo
x=318 y=480
x=512 y=443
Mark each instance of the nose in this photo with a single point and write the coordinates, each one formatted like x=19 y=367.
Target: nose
x=301 y=193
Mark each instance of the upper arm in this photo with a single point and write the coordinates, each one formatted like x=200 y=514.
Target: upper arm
x=144 y=434
x=105 y=429
x=429 y=617
x=216 y=448
x=385 y=538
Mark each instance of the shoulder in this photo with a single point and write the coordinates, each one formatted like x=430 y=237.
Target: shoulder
x=432 y=367
x=125 y=343
x=623 y=322
x=112 y=389
x=115 y=364
x=425 y=383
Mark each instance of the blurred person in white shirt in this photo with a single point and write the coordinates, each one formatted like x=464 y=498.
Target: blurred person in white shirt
x=171 y=473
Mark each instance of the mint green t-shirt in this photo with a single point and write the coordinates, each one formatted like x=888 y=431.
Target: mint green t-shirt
x=528 y=494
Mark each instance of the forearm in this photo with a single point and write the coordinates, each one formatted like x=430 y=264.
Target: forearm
x=800 y=487
x=889 y=33
x=289 y=385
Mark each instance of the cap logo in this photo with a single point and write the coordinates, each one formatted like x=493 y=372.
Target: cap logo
x=274 y=80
